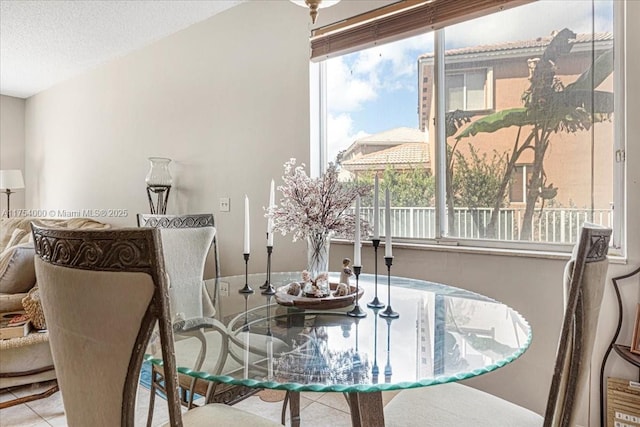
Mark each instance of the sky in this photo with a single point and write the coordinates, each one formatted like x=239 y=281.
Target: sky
x=376 y=89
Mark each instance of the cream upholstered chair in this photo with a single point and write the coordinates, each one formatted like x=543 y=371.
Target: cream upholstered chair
x=103 y=291
x=201 y=341
x=186 y=241
x=458 y=405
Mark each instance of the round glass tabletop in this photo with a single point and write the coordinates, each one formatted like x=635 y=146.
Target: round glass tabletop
x=442 y=334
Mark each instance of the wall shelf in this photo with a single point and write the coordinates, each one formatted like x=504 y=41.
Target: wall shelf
x=621 y=350
x=624 y=351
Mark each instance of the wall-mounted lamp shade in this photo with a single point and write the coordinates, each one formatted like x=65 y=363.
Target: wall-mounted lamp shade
x=11 y=179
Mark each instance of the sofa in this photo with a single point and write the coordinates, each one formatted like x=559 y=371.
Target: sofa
x=25 y=360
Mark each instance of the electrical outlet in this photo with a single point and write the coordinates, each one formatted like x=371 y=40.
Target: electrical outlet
x=225 y=204
x=224 y=289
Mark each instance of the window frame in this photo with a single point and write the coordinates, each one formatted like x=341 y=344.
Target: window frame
x=522 y=170
x=618 y=249
x=488 y=88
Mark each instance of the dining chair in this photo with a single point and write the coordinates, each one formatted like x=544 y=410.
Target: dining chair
x=202 y=342
x=186 y=242
x=102 y=292
x=454 y=404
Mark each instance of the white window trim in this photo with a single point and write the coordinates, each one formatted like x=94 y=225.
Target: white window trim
x=488 y=92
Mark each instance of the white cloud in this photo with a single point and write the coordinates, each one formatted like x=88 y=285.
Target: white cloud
x=345 y=91
x=340 y=134
x=361 y=77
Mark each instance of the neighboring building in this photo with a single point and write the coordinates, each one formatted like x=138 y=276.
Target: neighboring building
x=488 y=78
x=400 y=148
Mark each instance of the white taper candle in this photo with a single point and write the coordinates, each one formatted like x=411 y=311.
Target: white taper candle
x=376 y=211
x=388 y=251
x=356 y=245
x=270 y=219
x=247 y=239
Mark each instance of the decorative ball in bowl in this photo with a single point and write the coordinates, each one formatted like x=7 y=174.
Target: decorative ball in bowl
x=340 y=295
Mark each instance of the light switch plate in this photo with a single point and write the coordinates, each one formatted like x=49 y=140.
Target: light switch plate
x=224 y=289
x=225 y=204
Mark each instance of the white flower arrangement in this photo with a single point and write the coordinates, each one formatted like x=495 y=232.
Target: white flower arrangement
x=311 y=206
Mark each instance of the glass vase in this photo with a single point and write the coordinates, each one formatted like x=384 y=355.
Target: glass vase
x=318 y=257
x=159 y=175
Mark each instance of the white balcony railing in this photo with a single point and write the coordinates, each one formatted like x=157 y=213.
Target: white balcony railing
x=553 y=225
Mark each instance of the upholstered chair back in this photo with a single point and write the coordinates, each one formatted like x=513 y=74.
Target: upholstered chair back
x=102 y=293
x=584 y=282
x=186 y=241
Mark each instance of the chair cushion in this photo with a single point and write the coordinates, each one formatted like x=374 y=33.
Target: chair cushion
x=223 y=415
x=456 y=405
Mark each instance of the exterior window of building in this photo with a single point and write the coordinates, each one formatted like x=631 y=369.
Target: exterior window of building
x=518 y=186
x=467 y=91
x=518 y=102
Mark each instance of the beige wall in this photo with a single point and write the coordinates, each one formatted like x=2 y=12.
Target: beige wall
x=227 y=99
x=12 y=144
x=230 y=112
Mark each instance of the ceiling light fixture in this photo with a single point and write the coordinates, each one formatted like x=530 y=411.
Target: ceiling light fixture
x=314 y=5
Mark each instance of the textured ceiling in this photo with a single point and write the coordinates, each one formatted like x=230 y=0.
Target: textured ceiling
x=45 y=42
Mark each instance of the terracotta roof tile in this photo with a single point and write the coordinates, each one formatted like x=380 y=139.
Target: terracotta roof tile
x=396 y=135
x=411 y=153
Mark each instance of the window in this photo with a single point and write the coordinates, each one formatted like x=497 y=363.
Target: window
x=526 y=136
x=467 y=91
x=519 y=183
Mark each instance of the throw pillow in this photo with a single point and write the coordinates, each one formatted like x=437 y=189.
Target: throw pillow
x=17 y=269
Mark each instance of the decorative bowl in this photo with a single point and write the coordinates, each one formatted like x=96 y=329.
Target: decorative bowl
x=324 y=303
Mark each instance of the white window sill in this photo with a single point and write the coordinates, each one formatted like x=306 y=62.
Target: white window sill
x=477 y=250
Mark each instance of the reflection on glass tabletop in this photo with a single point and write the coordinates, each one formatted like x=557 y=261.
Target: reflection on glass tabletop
x=443 y=334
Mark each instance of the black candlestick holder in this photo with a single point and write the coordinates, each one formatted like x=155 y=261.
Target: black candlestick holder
x=375 y=302
x=357 y=311
x=247 y=289
x=388 y=312
x=269 y=290
x=265 y=285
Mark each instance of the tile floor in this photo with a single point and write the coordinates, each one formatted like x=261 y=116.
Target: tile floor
x=316 y=409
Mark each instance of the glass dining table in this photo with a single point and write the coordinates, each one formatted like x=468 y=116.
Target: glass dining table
x=443 y=334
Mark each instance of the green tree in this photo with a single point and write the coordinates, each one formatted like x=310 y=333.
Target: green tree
x=549 y=108
x=477 y=179
x=408 y=187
